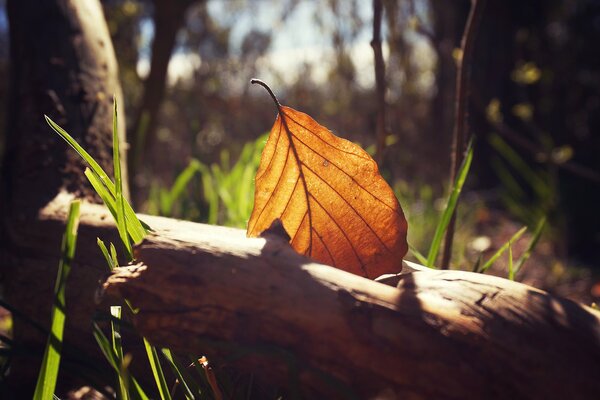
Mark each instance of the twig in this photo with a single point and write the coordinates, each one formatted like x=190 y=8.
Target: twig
x=419 y=26
x=379 y=81
x=460 y=123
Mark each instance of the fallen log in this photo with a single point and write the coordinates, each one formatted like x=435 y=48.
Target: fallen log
x=258 y=306
x=439 y=334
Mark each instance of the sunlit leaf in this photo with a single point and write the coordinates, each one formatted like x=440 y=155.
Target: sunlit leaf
x=330 y=197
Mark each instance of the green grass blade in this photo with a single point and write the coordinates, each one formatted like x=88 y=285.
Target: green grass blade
x=137 y=228
x=210 y=194
x=450 y=206
x=511 y=271
x=113 y=255
x=533 y=178
x=477 y=264
x=82 y=153
x=111 y=204
x=102 y=191
x=418 y=255
x=165 y=204
x=534 y=241
x=115 y=331
x=135 y=390
x=502 y=249
x=182 y=181
x=46 y=382
x=120 y=200
x=105 y=253
x=189 y=385
x=159 y=376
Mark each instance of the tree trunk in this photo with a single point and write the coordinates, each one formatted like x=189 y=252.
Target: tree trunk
x=62 y=65
x=448 y=21
x=168 y=19
x=439 y=334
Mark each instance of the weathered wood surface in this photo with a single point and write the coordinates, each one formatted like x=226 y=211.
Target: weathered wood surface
x=439 y=334
x=256 y=305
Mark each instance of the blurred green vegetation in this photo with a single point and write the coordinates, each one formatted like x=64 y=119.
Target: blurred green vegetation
x=534 y=103
x=221 y=193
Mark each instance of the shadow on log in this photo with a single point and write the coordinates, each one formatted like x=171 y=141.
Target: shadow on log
x=438 y=334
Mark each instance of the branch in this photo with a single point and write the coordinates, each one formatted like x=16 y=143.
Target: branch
x=460 y=117
x=379 y=81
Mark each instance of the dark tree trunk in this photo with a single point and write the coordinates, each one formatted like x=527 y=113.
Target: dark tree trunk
x=448 y=21
x=168 y=19
x=62 y=65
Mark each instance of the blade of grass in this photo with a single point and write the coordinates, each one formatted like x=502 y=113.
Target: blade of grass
x=461 y=177
x=182 y=181
x=82 y=153
x=533 y=178
x=418 y=255
x=137 y=229
x=159 y=376
x=115 y=331
x=101 y=190
x=46 y=382
x=477 y=263
x=534 y=241
x=189 y=385
x=135 y=390
x=210 y=194
x=120 y=200
x=105 y=253
x=111 y=204
x=511 y=271
x=113 y=255
x=502 y=249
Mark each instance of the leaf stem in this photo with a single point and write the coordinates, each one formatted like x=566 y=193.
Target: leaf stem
x=261 y=83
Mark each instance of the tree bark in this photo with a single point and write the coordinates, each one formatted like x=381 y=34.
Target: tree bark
x=62 y=65
x=254 y=305
x=438 y=334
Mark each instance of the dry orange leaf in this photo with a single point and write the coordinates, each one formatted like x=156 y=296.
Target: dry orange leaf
x=329 y=196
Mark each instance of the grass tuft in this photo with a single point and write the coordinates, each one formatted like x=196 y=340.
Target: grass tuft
x=104 y=186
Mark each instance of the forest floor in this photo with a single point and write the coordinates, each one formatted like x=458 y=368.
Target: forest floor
x=545 y=269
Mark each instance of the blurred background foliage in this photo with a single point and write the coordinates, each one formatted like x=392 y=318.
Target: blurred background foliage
x=196 y=126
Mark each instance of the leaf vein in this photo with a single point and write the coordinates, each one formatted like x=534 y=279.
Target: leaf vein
x=395 y=209
x=362 y=218
x=362 y=265
x=272 y=192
